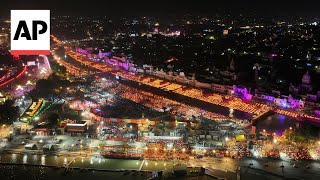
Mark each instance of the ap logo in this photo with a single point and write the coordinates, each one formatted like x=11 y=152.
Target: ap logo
x=30 y=32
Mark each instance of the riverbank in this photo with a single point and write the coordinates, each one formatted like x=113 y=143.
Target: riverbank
x=215 y=167
x=34 y=172
x=18 y=171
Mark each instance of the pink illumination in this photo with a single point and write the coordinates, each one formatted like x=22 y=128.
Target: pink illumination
x=242 y=92
x=19 y=75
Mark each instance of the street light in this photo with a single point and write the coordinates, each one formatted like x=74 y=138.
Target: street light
x=28 y=82
x=19 y=87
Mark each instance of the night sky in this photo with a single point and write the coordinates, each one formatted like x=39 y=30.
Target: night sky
x=164 y=7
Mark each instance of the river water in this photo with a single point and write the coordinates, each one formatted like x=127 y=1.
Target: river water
x=224 y=164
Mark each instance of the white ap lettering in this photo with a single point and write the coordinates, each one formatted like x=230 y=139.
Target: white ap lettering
x=23 y=26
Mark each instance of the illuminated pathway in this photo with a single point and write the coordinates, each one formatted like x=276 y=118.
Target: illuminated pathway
x=216 y=99
x=255 y=108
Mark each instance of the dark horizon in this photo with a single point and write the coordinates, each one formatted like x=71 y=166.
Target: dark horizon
x=166 y=7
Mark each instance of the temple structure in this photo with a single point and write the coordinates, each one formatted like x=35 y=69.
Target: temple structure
x=306 y=82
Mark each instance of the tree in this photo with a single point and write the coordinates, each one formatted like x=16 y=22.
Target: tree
x=53 y=120
x=307 y=131
x=8 y=112
x=303 y=133
x=44 y=84
x=44 y=88
x=59 y=69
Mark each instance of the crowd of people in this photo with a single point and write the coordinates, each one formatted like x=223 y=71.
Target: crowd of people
x=160 y=151
x=295 y=153
x=278 y=148
x=238 y=150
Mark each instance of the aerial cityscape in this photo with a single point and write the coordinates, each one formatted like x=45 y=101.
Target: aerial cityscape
x=164 y=90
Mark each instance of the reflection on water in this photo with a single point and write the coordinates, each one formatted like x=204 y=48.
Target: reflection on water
x=25 y=159
x=88 y=162
x=231 y=112
x=276 y=123
x=43 y=160
x=35 y=159
x=13 y=158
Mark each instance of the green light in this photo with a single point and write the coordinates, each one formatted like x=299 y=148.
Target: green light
x=41 y=110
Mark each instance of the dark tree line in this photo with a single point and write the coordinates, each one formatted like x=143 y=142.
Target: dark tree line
x=8 y=112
